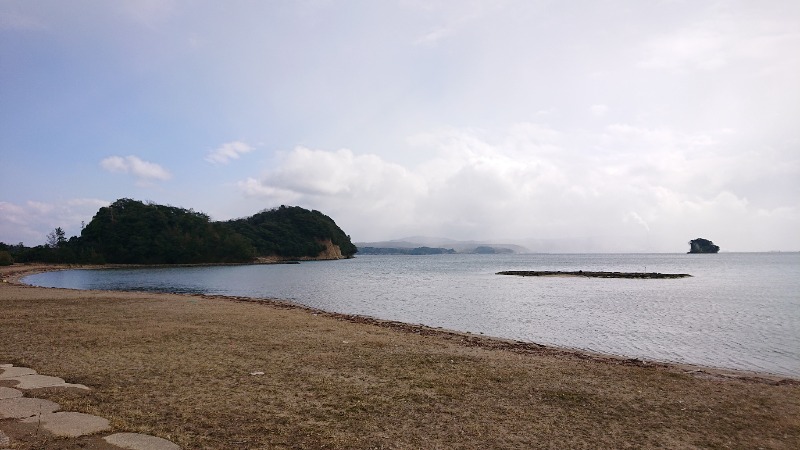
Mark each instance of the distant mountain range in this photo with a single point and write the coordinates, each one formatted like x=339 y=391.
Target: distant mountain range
x=585 y=244
x=409 y=244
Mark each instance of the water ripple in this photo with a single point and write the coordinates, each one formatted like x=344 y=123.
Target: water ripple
x=739 y=311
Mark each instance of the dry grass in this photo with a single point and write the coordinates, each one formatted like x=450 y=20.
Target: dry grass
x=179 y=367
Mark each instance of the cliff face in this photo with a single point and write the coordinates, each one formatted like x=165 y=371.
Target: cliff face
x=332 y=251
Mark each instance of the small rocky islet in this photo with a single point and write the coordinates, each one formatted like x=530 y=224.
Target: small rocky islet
x=701 y=245
x=698 y=245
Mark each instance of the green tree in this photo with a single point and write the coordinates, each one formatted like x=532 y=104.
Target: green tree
x=56 y=238
x=5 y=258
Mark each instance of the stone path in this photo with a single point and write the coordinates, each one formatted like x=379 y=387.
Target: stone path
x=15 y=406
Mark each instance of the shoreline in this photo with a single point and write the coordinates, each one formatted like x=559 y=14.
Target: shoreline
x=465 y=337
x=221 y=372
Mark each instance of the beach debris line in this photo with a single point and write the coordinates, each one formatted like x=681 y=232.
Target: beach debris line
x=584 y=273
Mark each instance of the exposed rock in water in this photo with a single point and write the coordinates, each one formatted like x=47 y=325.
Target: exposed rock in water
x=581 y=273
x=701 y=245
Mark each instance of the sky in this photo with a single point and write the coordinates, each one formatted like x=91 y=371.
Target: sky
x=580 y=126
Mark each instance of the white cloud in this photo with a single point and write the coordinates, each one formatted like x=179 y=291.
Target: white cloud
x=30 y=222
x=451 y=21
x=306 y=173
x=11 y=213
x=599 y=110
x=228 y=151
x=144 y=170
x=636 y=218
x=40 y=208
x=115 y=164
x=716 y=43
x=688 y=49
x=336 y=180
x=637 y=189
x=434 y=36
x=252 y=187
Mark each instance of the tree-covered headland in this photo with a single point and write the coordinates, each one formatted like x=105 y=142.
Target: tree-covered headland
x=132 y=232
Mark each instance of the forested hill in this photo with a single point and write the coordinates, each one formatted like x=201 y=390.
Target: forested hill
x=132 y=232
x=291 y=231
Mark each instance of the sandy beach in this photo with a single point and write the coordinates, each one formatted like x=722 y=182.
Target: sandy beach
x=226 y=373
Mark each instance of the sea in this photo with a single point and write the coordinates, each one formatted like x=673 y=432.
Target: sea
x=736 y=311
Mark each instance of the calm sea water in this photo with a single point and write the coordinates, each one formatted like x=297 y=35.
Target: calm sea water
x=739 y=310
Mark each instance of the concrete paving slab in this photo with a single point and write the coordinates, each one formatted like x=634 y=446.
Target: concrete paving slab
x=42 y=381
x=12 y=372
x=70 y=424
x=136 y=441
x=35 y=381
x=6 y=392
x=20 y=408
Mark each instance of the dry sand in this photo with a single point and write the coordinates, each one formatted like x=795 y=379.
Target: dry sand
x=180 y=367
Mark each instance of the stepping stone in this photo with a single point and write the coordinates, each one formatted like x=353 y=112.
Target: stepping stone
x=9 y=393
x=20 y=408
x=42 y=381
x=136 y=441
x=13 y=372
x=4 y=366
x=70 y=424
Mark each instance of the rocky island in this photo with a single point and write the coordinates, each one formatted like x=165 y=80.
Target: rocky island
x=701 y=245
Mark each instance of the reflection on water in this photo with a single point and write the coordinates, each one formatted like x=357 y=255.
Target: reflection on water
x=738 y=311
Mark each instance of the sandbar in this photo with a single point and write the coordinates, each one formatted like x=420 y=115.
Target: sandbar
x=593 y=274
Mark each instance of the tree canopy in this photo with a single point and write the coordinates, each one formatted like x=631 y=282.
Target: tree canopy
x=291 y=231
x=132 y=232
